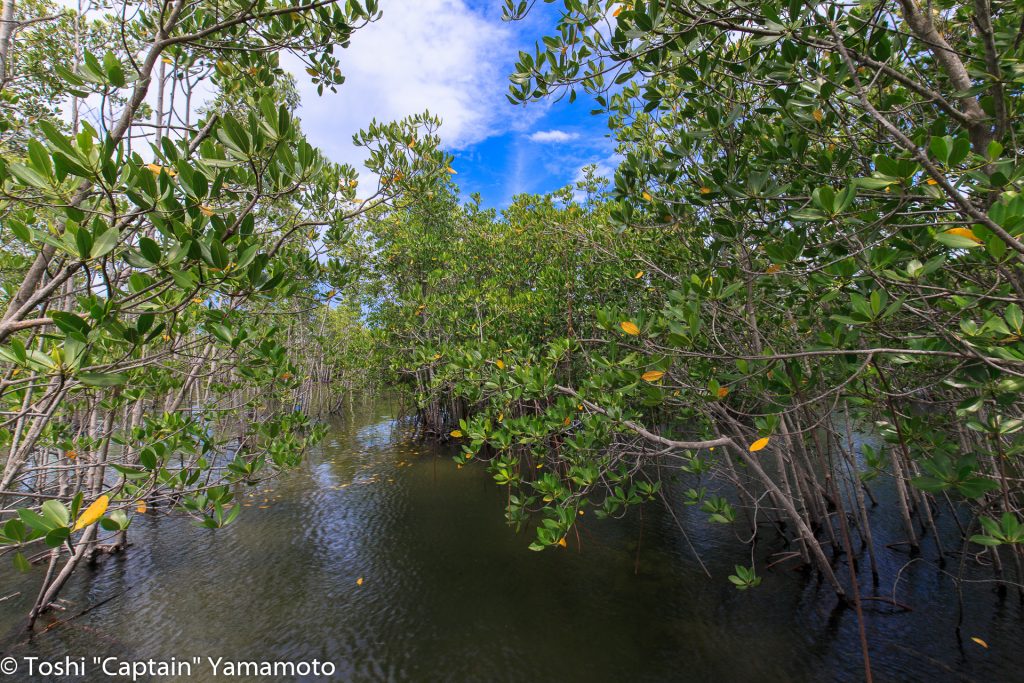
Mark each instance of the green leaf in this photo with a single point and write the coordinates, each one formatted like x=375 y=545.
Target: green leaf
x=102 y=379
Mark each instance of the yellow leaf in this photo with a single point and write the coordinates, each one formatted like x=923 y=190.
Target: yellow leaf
x=964 y=232
x=638 y=275
x=566 y=421
x=452 y=171
x=197 y=301
x=167 y=60
x=92 y=513
x=141 y=507
x=581 y=513
x=630 y=328
x=979 y=641
x=311 y=71
x=205 y=210
x=772 y=269
x=562 y=543
x=652 y=375
x=156 y=168
x=705 y=190
x=617 y=11
x=759 y=444
x=818 y=116
x=500 y=363
x=412 y=142
x=71 y=455
x=359 y=581
x=647 y=196
x=457 y=433
x=932 y=181
x=723 y=392
x=501 y=417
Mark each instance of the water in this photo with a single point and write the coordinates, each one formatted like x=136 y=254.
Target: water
x=449 y=592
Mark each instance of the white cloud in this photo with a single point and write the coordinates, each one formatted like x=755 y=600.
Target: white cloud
x=558 y=136
x=436 y=55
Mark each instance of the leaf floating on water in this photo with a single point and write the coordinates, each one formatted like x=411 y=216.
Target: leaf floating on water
x=759 y=444
x=359 y=581
x=652 y=375
x=979 y=641
x=630 y=328
x=92 y=513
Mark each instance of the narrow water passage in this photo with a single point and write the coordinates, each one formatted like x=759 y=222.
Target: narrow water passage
x=449 y=592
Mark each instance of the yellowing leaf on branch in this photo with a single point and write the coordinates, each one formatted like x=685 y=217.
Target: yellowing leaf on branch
x=652 y=375
x=723 y=392
x=964 y=232
x=647 y=196
x=156 y=168
x=457 y=433
x=205 y=210
x=639 y=275
x=705 y=190
x=562 y=543
x=759 y=444
x=818 y=116
x=452 y=171
x=71 y=455
x=500 y=363
x=141 y=507
x=629 y=328
x=93 y=513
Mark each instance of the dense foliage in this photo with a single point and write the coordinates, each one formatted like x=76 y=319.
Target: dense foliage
x=815 y=230
x=162 y=259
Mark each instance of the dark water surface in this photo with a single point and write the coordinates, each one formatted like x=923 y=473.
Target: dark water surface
x=450 y=593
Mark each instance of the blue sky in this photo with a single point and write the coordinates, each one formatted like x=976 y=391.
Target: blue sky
x=454 y=57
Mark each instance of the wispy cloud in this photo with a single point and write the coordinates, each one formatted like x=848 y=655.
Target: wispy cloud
x=556 y=136
x=436 y=55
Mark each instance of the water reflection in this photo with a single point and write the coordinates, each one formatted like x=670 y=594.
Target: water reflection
x=450 y=593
